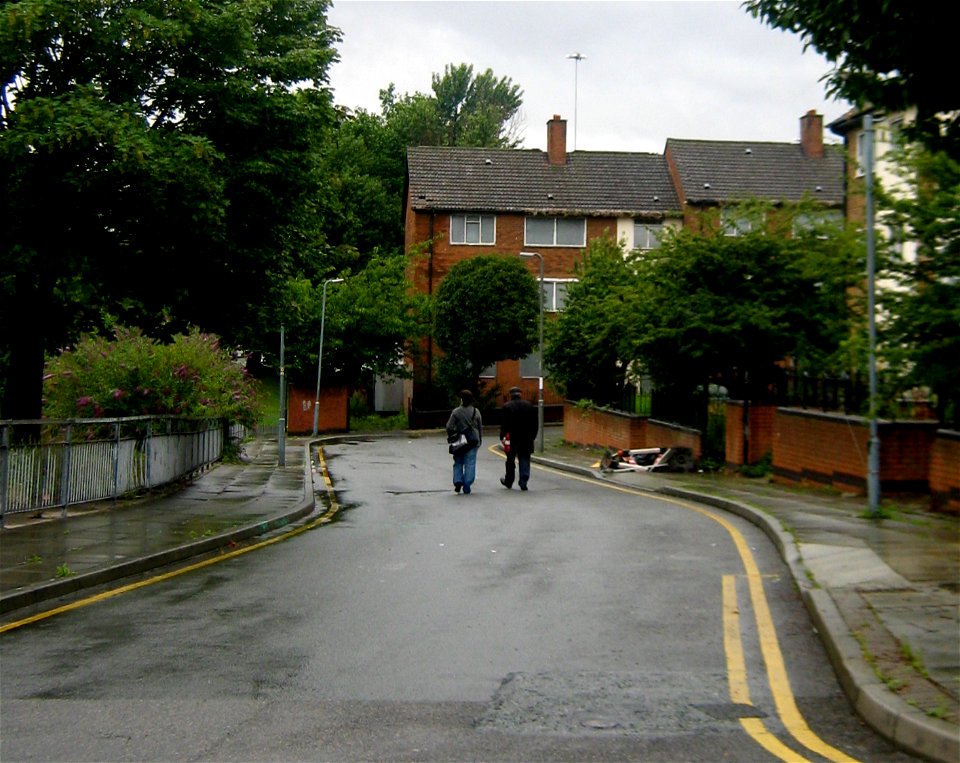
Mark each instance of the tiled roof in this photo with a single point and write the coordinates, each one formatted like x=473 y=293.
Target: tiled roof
x=523 y=181
x=713 y=171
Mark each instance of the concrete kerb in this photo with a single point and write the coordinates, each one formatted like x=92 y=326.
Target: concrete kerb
x=905 y=726
x=53 y=589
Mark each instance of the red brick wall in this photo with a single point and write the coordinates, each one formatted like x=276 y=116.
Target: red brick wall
x=334 y=408
x=614 y=429
x=945 y=472
x=831 y=449
x=761 y=432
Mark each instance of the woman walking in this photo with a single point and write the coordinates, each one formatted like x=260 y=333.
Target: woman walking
x=465 y=420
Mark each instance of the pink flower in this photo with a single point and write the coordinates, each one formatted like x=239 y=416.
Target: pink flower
x=84 y=401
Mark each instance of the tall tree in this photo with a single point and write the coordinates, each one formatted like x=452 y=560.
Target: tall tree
x=486 y=310
x=464 y=110
x=889 y=54
x=155 y=167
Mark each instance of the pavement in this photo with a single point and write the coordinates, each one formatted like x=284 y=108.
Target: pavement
x=883 y=594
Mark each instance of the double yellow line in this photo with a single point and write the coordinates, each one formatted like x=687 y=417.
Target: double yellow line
x=776 y=670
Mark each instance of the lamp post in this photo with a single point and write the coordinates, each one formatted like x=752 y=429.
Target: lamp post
x=873 y=452
x=540 y=359
x=577 y=58
x=323 y=315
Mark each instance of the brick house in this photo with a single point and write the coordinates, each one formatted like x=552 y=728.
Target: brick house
x=461 y=202
x=470 y=201
x=710 y=176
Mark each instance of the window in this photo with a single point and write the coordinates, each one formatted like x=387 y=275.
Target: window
x=473 y=229
x=647 y=235
x=555 y=293
x=735 y=221
x=490 y=372
x=819 y=222
x=861 y=153
x=530 y=366
x=555 y=231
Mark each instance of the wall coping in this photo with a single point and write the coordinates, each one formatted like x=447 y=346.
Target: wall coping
x=857 y=420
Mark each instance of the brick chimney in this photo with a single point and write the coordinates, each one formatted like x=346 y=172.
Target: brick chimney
x=811 y=134
x=557 y=140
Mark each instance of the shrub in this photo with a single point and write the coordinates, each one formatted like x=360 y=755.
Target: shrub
x=133 y=375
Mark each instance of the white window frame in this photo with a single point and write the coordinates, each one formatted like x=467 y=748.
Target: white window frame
x=736 y=222
x=461 y=223
x=551 y=288
x=554 y=238
x=644 y=233
x=490 y=372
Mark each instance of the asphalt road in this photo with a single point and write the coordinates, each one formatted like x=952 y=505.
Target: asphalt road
x=575 y=621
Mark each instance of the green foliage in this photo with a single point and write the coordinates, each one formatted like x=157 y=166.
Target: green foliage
x=369 y=319
x=707 y=307
x=921 y=294
x=133 y=375
x=464 y=110
x=157 y=168
x=486 y=309
x=587 y=346
x=732 y=307
x=889 y=55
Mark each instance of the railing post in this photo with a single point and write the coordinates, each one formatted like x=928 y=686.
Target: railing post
x=4 y=469
x=65 y=469
x=116 y=460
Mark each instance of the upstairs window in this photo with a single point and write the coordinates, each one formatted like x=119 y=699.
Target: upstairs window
x=473 y=229
x=555 y=231
x=647 y=235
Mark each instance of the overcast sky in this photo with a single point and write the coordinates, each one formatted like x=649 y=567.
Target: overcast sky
x=653 y=69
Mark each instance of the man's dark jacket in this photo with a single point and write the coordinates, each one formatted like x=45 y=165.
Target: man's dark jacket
x=519 y=418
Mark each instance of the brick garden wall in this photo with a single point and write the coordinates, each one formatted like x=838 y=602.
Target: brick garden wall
x=807 y=447
x=761 y=419
x=945 y=471
x=832 y=449
x=615 y=429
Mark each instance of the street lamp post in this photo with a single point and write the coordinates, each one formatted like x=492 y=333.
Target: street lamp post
x=323 y=315
x=540 y=359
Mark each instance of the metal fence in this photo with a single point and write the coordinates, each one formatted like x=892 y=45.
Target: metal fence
x=47 y=464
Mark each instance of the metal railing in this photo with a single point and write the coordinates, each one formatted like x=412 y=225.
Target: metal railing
x=48 y=464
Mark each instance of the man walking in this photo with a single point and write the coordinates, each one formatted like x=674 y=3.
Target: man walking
x=518 y=430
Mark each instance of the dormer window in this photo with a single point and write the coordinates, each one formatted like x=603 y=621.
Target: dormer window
x=473 y=229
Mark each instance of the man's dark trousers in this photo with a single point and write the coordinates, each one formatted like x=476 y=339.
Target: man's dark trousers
x=524 y=459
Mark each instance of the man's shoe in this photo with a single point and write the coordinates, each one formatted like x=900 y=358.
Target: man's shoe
x=457 y=486
x=523 y=487
x=503 y=481
x=466 y=490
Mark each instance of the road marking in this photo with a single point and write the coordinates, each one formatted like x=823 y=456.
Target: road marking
x=777 y=677
x=324 y=519
x=737 y=676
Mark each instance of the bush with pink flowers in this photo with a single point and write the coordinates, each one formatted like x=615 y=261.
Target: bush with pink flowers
x=133 y=375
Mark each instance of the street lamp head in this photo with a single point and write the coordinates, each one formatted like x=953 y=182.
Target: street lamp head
x=334 y=280
x=576 y=56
